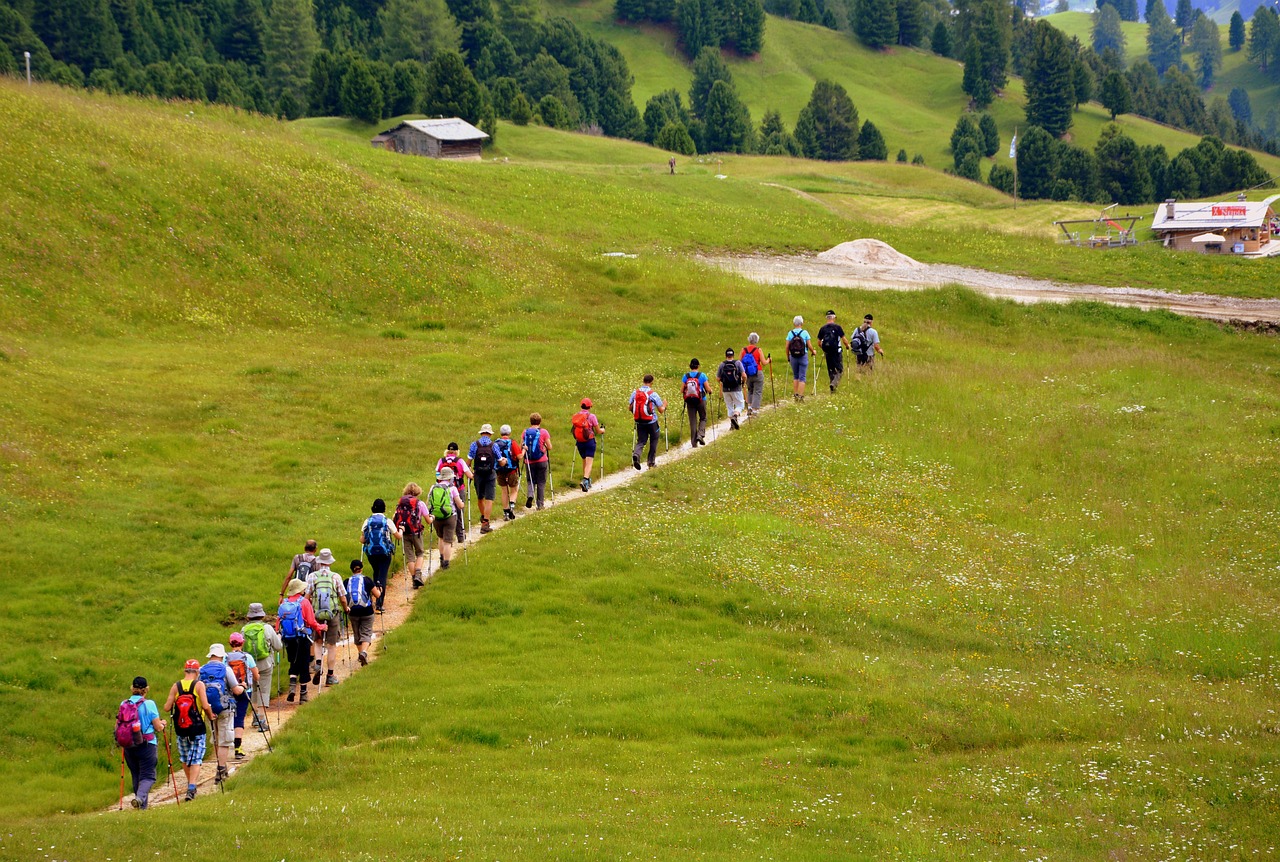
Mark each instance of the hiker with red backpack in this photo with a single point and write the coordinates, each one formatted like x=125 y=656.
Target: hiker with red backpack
x=535 y=443
x=245 y=667
x=220 y=686
x=378 y=540
x=444 y=505
x=798 y=352
x=138 y=723
x=411 y=520
x=585 y=426
x=508 y=470
x=263 y=643
x=646 y=405
x=732 y=377
x=295 y=621
x=461 y=473
x=301 y=565
x=753 y=362
x=328 y=595
x=188 y=706
x=693 y=388
x=484 y=474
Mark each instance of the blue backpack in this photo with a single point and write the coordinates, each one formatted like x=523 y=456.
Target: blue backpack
x=749 y=364
x=357 y=594
x=377 y=536
x=214 y=677
x=290 y=614
x=502 y=449
x=532 y=443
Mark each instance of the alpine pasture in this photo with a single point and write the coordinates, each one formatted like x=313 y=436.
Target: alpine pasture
x=1011 y=597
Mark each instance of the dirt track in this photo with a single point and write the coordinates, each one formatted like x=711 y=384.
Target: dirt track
x=812 y=269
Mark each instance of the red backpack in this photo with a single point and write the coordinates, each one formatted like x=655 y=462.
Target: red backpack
x=642 y=407
x=129 y=726
x=581 y=424
x=692 y=387
x=408 y=516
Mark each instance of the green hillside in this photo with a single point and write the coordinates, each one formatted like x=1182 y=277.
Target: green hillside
x=1011 y=596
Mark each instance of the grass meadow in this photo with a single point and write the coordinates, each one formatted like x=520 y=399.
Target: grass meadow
x=1011 y=597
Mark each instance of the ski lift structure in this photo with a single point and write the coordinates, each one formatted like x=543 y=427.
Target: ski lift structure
x=1108 y=230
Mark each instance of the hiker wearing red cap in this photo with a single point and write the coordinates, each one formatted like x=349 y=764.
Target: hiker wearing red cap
x=295 y=621
x=585 y=426
x=188 y=705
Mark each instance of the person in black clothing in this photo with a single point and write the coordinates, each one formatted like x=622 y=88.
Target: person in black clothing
x=831 y=337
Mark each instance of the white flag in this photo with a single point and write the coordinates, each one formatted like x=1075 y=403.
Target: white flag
x=1013 y=146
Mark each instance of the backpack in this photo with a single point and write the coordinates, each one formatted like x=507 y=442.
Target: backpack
x=322 y=594
x=357 y=594
x=255 y=641
x=581 y=425
x=129 y=726
x=502 y=449
x=214 y=677
x=459 y=476
x=304 y=568
x=831 y=339
x=239 y=666
x=440 y=501
x=642 y=406
x=795 y=343
x=187 y=720
x=485 y=459
x=376 y=537
x=860 y=343
x=749 y=363
x=691 y=387
x=290 y=614
x=408 y=515
x=532 y=441
x=728 y=374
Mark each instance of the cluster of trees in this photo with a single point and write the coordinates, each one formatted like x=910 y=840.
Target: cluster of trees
x=716 y=120
x=972 y=140
x=371 y=59
x=733 y=24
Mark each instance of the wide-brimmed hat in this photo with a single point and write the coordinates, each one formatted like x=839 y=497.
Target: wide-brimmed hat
x=446 y=474
x=255 y=612
x=325 y=557
x=295 y=586
x=486 y=428
x=217 y=650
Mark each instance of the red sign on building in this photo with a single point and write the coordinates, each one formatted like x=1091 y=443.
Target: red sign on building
x=1230 y=211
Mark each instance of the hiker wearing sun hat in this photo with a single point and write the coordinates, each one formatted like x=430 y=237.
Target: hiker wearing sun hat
x=443 y=506
x=484 y=474
x=508 y=471
x=461 y=473
x=295 y=620
x=263 y=643
x=328 y=595
x=585 y=426
x=221 y=688
x=188 y=705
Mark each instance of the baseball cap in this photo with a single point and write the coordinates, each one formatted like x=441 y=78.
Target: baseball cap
x=191 y=664
x=453 y=447
x=868 y=317
x=139 y=682
x=235 y=639
x=728 y=351
x=831 y=313
x=586 y=403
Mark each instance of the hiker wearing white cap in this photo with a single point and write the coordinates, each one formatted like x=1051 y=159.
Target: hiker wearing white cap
x=508 y=471
x=328 y=594
x=732 y=377
x=221 y=688
x=295 y=621
x=798 y=352
x=263 y=643
x=443 y=504
x=484 y=474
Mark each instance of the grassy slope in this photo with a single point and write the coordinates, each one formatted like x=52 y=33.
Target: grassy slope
x=973 y=604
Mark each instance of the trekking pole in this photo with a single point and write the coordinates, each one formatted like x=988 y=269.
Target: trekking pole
x=551 y=479
x=172 y=778
x=680 y=424
x=666 y=438
x=431 y=538
x=573 y=462
x=122 y=779
x=262 y=726
x=471 y=492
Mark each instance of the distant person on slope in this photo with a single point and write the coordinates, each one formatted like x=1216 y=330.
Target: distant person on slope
x=443 y=502
x=645 y=406
x=245 y=667
x=188 y=707
x=143 y=756
x=693 y=389
x=461 y=473
x=585 y=426
x=732 y=377
x=508 y=470
x=262 y=642
x=377 y=538
x=865 y=344
x=411 y=520
x=753 y=362
x=221 y=687
x=831 y=337
x=362 y=591
x=295 y=622
x=798 y=352
x=328 y=595
x=484 y=474
x=301 y=565
x=535 y=442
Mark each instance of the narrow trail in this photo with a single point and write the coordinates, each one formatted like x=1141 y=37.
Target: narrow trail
x=397 y=604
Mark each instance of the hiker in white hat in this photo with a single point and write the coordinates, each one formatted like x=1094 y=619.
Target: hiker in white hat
x=443 y=505
x=328 y=596
x=221 y=687
x=484 y=474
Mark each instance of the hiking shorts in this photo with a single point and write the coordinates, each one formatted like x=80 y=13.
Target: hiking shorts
x=191 y=749
x=333 y=633
x=509 y=479
x=224 y=732
x=413 y=548
x=799 y=367
x=486 y=485
x=362 y=628
x=586 y=448
x=446 y=529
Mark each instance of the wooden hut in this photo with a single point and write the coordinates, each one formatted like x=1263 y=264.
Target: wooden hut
x=450 y=138
x=1235 y=227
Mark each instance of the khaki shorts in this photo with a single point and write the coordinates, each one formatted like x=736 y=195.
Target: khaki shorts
x=413 y=547
x=332 y=634
x=509 y=479
x=223 y=732
x=363 y=629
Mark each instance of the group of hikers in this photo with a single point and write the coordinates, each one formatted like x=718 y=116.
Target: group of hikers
x=319 y=608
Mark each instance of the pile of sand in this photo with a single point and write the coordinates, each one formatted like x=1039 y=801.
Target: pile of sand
x=868 y=252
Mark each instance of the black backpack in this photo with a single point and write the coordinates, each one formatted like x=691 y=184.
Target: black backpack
x=795 y=344
x=830 y=338
x=485 y=458
x=727 y=373
x=860 y=343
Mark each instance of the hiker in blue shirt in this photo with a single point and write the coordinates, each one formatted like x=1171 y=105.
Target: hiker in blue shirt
x=646 y=405
x=798 y=352
x=484 y=474
x=693 y=389
x=142 y=759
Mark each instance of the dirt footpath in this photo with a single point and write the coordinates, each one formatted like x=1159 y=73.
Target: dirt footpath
x=874 y=265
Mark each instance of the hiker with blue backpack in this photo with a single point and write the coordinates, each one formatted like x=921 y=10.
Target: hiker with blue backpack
x=693 y=389
x=798 y=352
x=328 y=595
x=443 y=505
x=220 y=687
x=138 y=723
x=263 y=643
x=378 y=539
x=508 y=471
x=753 y=363
x=484 y=474
x=362 y=592
x=646 y=406
x=188 y=707
x=535 y=443
x=295 y=621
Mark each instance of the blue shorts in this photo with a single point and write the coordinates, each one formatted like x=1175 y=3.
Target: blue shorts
x=799 y=367
x=586 y=449
x=191 y=749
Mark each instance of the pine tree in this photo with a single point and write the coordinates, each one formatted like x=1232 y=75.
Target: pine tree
x=1184 y=17
x=360 y=95
x=871 y=145
x=1114 y=94
x=744 y=25
x=974 y=82
x=1264 y=37
x=774 y=138
x=451 y=89
x=993 y=30
x=910 y=22
x=521 y=110
x=940 y=43
x=82 y=33
x=828 y=124
x=708 y=68
x=1083 y=80
x=728 y=124
x=661 y=110
x=242 y=35
x=966 y=138
x=417 y=30
x=1001 y=178
x=1122 y=171
x=1241 y=109
x=553 y=113
x=1107 y=32
x=1235 y=32
x=1206 y=47
x=1050 y=80
x=990 y=135
x=696 y=26
x=1164 y=43
x=1037 y=163
x=674 y=138
x=876 y=22
x=288 y=46
x=410 y=86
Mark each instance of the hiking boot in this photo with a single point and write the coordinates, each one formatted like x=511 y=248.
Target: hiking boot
x=191 y=792
x=653 y=464
x=833 y=389
x=293 y=689
x=635 y=461
x=417 y=583
x=221 y=775
x=330 y=679
x=302 y=695
x=259 y=724
x=702 y=441
x=485 y=527
x=444 y=564
x=586 y=485
x=510 y=514
x=239 y=753
x=528 y=502
x=315 y=679
x=733 y=422
x=364 y=658
x=135 y=802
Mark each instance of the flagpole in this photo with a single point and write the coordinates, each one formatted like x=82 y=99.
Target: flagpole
x=1013 y=154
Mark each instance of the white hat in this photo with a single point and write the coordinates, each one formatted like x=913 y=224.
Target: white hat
x=486 y=428
x=325 y=557
x=446 y=475
x=505 y=429
x=217 y=651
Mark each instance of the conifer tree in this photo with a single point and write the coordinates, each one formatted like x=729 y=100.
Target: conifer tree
x=708 y=68
x=288 y=46
x=1206 y=47
x=871 y=145
x=990 y=135
x=1107 y=32
x=1235 y=31
x=828 y=125
x=876 y=22
x=910 y=22
x=727 y=121
x=974 y=82
x=360 y=96
x=451 y=89
x=1164 y=43
x=1114 y=94
x=940 y=42
x=775 y=140
x=417 y=30
x=1050 y=80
